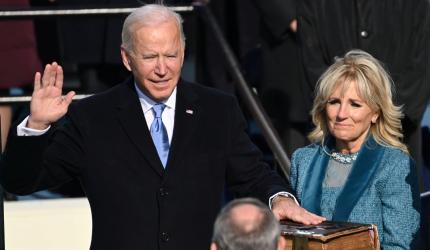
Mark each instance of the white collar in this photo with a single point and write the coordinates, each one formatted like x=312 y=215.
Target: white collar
x=147 y=102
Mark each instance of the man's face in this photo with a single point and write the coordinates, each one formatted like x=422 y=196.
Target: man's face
x=156 y=59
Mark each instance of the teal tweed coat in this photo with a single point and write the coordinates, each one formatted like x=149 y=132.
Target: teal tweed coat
x=381 y=189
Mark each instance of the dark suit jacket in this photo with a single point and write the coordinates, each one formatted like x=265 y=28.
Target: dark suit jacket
x=135 y=203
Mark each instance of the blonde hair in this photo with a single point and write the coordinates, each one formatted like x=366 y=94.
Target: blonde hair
x=374 y=86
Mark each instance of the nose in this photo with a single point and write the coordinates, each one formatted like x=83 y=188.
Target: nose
x=343 y=112
x=160 y=67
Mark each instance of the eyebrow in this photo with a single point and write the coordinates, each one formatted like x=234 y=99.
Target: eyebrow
x=356 y=100
x=351 y=99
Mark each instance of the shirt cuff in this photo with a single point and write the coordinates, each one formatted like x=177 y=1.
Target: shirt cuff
x=285 y=194
x=22 y=130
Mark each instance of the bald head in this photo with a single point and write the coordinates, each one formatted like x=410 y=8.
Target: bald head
x=246 y=224
x=247 y=217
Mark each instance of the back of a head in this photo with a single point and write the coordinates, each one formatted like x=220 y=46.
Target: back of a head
x=149 y=15
x=246 y=224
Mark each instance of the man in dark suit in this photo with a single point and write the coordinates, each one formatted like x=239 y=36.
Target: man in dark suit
x=153 y=154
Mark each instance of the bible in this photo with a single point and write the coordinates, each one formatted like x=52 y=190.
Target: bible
x=330 y=235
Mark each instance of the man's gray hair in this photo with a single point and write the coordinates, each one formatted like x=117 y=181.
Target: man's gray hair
x=261 y=233
x=149 y=15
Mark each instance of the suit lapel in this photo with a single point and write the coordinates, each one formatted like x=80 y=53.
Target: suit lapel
x=311 y=194
x=359 y=179
x=132 y=119
x=186 y=117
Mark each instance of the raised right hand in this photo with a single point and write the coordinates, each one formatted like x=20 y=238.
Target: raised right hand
x=48 y=104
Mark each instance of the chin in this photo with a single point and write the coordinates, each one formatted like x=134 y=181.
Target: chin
x=342 y=137
x=161 y=96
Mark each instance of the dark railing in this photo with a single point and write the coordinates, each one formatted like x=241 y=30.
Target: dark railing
x=249 y=97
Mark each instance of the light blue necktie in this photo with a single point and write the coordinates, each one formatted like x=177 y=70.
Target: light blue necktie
x=159 y=133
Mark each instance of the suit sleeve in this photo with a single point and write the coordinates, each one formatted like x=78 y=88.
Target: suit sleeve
x=33 y=163
x=247 y=174
x=400 y=206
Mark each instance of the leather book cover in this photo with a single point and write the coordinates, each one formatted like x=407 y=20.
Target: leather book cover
x=330 y=235
x=322 y=230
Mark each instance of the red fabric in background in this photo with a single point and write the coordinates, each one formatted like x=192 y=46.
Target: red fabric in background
x=18 y=50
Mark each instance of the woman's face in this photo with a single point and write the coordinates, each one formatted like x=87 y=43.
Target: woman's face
x=349 y=118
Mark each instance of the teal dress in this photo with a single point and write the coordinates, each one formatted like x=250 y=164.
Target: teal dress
x=381 y=188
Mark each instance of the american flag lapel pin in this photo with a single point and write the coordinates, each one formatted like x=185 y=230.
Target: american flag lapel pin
x=189 y=111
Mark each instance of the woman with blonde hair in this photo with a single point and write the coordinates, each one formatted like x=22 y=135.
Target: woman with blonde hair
x=358 y=168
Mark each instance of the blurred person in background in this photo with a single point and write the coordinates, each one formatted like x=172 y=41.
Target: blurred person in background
x=283 y=94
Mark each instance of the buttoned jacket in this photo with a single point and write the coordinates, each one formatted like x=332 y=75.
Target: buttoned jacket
x=136 y=203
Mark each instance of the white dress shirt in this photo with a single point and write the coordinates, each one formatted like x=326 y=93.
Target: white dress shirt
x=168 y=115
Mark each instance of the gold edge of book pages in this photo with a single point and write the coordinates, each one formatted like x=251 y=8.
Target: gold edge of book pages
x=362 y=237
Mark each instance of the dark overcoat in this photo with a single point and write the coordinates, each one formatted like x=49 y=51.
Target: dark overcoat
x=135 y=202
